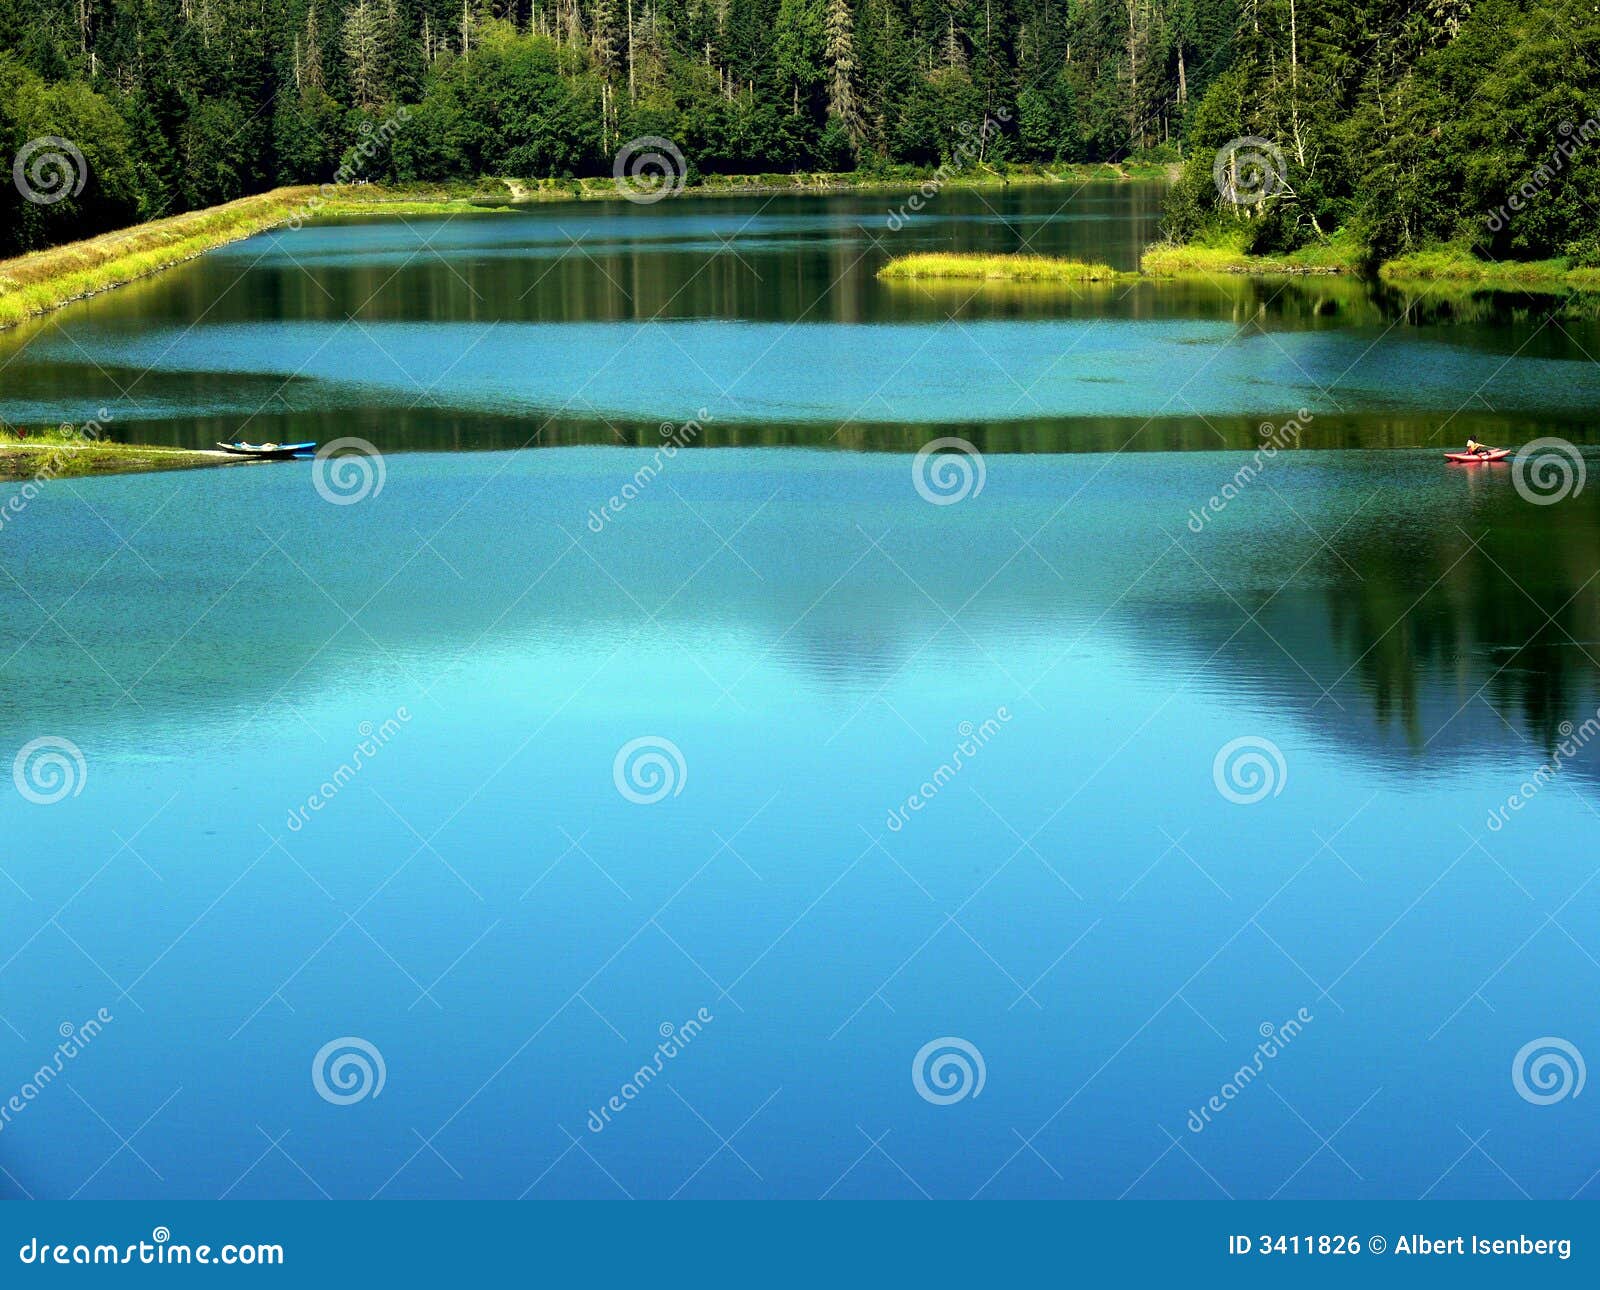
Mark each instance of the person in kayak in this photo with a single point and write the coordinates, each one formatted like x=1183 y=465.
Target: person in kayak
x=1479 y=449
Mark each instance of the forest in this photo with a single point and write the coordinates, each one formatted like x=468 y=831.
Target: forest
x=1394 y=126
x=178 y=104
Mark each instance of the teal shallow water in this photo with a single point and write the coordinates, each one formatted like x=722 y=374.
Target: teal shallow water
x=586 y=323
x=483 y=904
x=825 y=374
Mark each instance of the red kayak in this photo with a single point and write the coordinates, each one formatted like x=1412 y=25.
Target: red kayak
x=1499 y=454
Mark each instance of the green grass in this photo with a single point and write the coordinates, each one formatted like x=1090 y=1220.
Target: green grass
x=67 y=453
x=44 y=280
x=999 y=268
x=1456 y=264
x=1222 y=253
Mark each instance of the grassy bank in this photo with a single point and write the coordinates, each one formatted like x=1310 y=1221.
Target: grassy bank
x=1004 y=268
x=1226 y=254
x=44 y=280
x=54 y=454
x=1221 y=253
x=1452 y=264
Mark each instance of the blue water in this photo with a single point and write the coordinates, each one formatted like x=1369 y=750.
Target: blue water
x=587 y=321
x=1079 y=903
x=773 y=372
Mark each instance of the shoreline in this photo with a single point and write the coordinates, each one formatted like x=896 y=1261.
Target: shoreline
x=1446 y=265
x=42 y=281
x=33 y=465
x=24 y=462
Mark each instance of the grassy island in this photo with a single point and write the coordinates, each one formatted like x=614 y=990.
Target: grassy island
x=999 y=268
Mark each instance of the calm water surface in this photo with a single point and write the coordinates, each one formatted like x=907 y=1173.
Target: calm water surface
x=1079 y=902
x=594 y=322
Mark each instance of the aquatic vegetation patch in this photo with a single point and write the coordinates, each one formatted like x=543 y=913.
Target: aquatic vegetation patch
x=1001 y=268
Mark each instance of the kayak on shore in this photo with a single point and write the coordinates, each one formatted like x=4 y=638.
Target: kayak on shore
x=268 y=450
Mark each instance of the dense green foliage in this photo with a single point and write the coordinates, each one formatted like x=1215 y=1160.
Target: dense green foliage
x=1408 y=125
x=1405 y=125
x=177 y=104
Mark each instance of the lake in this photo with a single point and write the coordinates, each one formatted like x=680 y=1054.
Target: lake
x=790 y=814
